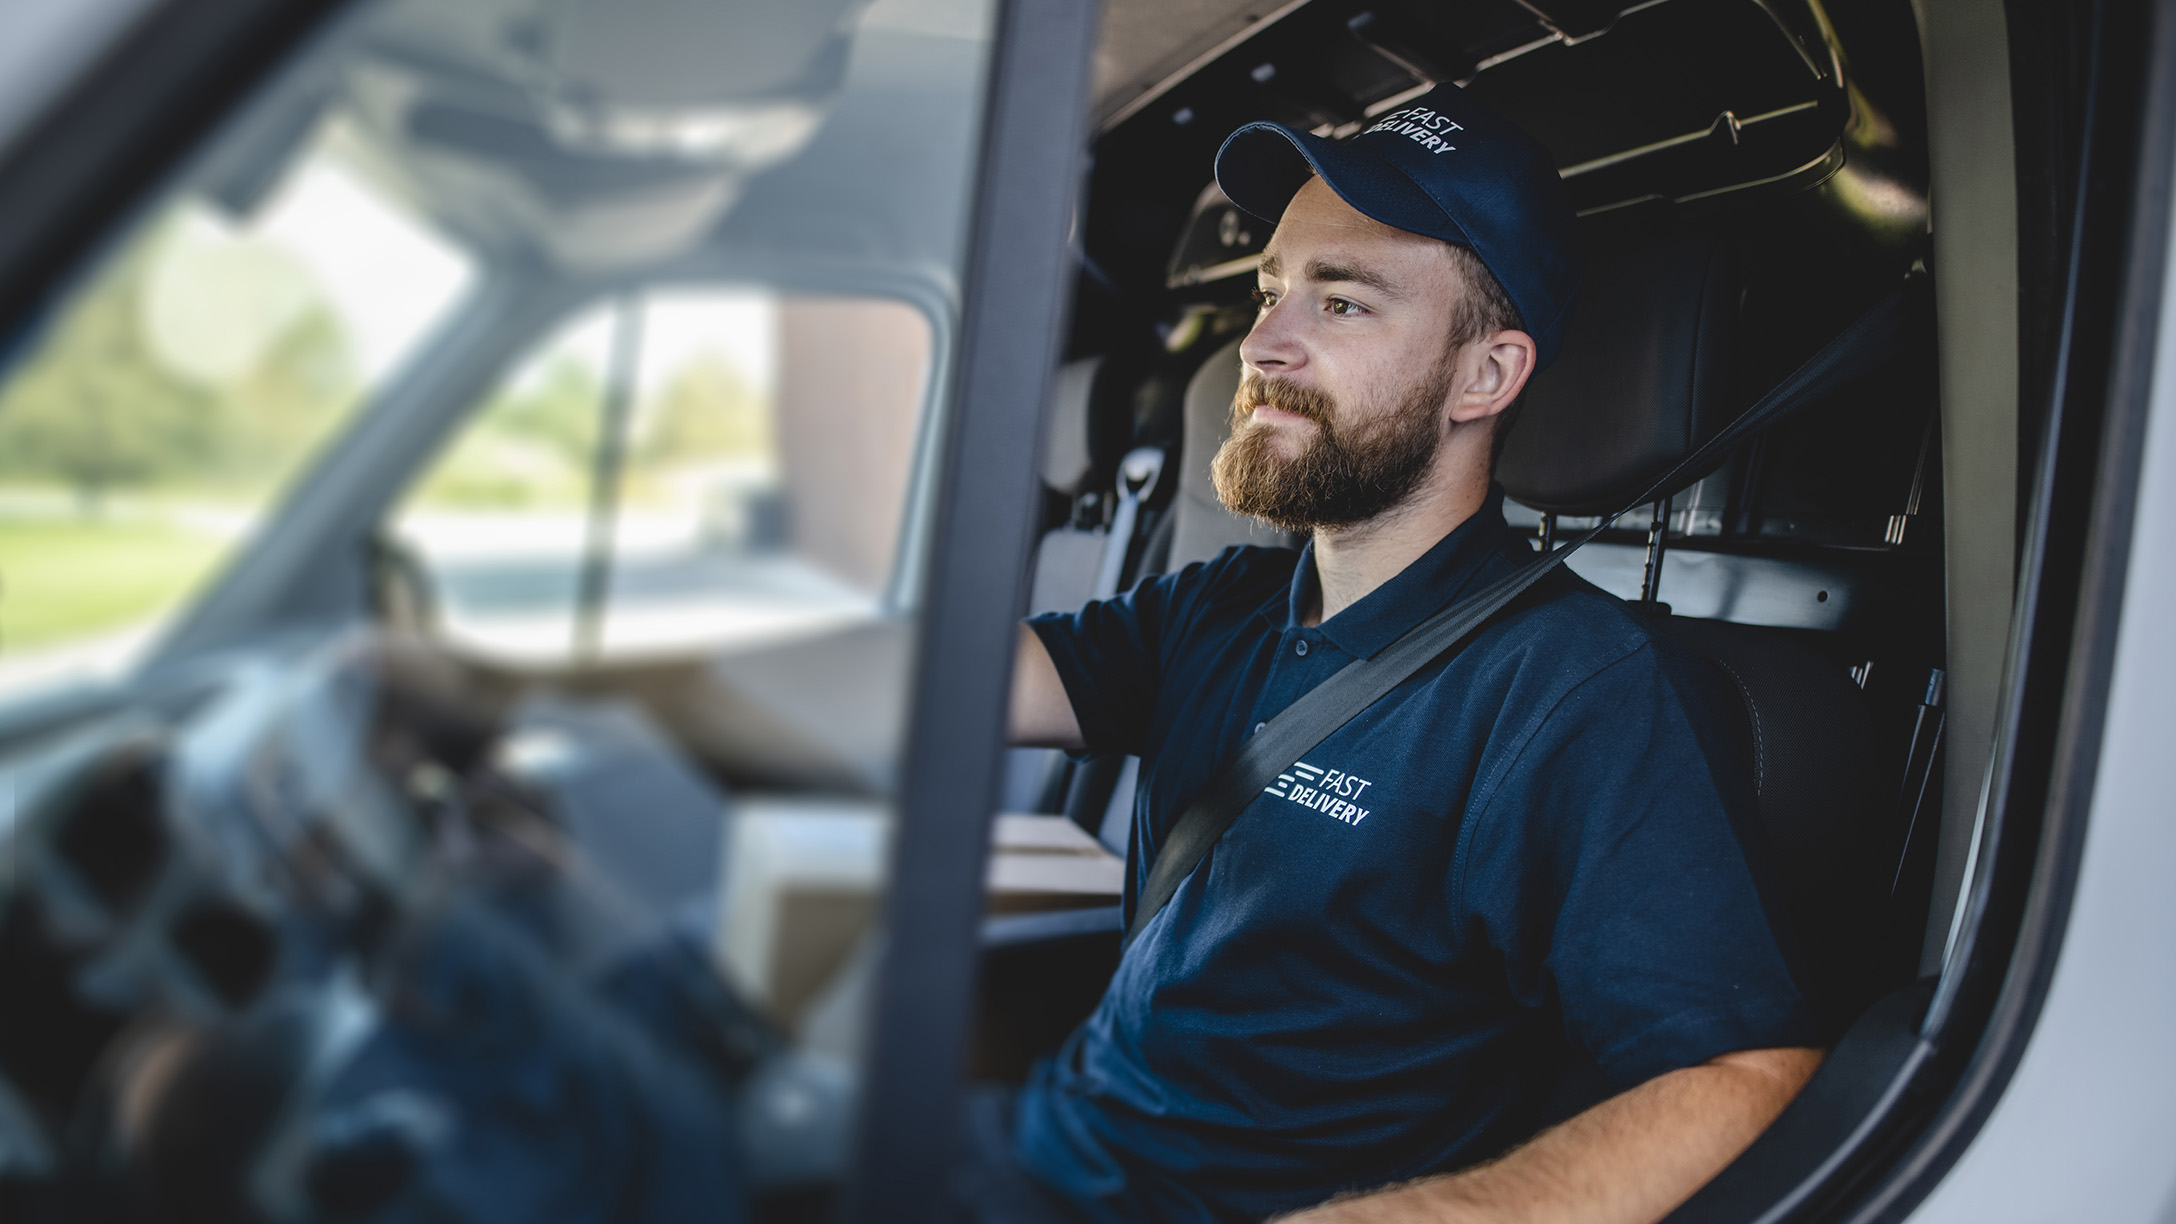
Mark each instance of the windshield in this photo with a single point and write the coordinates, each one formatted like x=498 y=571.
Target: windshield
x=166 y=408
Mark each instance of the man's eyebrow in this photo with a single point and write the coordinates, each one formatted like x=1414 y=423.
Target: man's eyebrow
x=1327 y=272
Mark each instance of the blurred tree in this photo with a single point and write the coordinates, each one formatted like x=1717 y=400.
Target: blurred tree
x=98 y=407
x=706 y=410
x=92 y=409
x=533 y=443
x=558 y=410
x=283 y=405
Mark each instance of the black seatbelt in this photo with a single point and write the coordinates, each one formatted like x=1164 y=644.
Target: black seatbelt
x=1872 y=339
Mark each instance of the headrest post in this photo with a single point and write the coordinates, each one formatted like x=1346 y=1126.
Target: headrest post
x=1546 y=533
x=1657 y=533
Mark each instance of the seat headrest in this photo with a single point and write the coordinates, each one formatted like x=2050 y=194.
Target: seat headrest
x=1643 y=379
x=1220 y=241
x=1067 y=462
x=1201 y=526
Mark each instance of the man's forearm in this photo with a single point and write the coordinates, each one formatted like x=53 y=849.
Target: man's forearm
x=1041 y=713
x=1628 y=1160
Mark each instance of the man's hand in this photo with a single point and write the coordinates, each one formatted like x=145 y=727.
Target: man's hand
x=1042 y=715
x=1628 y=1160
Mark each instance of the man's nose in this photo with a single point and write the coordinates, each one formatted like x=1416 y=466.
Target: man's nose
x=1274 y=343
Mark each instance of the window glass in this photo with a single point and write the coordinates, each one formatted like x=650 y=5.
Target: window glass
x=498 y=520
x=754 y=452
x=521 y=411
x=149 y=428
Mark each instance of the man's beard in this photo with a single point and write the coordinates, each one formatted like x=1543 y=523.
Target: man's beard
x=1343 y=477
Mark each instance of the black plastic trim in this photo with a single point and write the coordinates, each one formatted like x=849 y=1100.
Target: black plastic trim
x=1034 y=136
x=125 y=124
x=1014 y=930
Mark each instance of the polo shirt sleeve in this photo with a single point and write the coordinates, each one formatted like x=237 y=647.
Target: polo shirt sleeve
x=1608 y=870
x=1111 y=653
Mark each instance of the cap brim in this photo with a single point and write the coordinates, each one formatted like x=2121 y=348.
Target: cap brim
x=1263 y=165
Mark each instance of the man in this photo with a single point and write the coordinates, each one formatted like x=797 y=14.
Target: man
x=1525 y=855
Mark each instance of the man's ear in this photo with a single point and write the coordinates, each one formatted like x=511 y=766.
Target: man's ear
x=1495 y=371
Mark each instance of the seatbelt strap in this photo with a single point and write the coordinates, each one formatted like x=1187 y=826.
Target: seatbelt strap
x=1137 y=474
x=1874 y=338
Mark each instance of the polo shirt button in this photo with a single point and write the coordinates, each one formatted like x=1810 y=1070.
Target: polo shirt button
x=1300 y=647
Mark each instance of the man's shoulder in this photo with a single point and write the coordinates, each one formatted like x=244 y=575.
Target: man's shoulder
x=1572 y=630
x=1239 y=572
x=1566 y=612
x=1579 y=639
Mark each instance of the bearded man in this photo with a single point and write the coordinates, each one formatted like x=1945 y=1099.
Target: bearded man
x=1529 y=856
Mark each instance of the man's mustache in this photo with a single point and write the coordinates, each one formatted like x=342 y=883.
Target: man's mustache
x=1281 y=394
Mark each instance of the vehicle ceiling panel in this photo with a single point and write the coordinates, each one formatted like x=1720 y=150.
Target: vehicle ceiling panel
x=889 y=135
x=1663 y=68
x=1145 y=41
x=602 y=139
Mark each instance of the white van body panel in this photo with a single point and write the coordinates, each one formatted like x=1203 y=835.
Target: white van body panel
x=2086 y=1129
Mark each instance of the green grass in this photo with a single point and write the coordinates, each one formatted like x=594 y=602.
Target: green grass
x=67 y=579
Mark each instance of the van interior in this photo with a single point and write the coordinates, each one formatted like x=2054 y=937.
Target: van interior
x=506 y=802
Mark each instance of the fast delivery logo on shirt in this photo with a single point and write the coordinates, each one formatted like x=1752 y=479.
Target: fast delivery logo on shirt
x=1330 y=791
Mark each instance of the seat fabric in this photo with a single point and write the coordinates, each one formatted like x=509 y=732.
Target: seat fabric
x=1811 y=743
x=1201 y=526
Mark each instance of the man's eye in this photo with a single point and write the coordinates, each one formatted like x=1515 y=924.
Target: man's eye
x=1343 y=306
x=1264 y=299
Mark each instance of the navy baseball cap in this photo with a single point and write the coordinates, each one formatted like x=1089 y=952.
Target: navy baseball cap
x=1443 y=166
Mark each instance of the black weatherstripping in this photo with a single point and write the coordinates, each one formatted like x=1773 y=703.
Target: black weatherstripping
x=123 y=127
x=1878 y=1167
x=1034 y=125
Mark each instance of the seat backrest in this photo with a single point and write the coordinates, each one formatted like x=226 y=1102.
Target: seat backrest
x=1099 y=795
x=1811 y=742
x=1067 y=559
x=1201 y=526
x=1069 y=463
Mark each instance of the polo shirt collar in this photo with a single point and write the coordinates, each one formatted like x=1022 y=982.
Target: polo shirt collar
x=1431 y=582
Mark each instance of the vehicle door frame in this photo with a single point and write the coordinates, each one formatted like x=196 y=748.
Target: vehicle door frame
x=1014 y=302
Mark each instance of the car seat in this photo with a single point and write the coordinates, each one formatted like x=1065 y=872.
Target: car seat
x=1201 y=526
x=1643 y=380
x=1099 y=790
x=1099 y=485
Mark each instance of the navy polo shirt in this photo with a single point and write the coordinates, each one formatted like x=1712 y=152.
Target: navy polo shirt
x=1534 y=852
